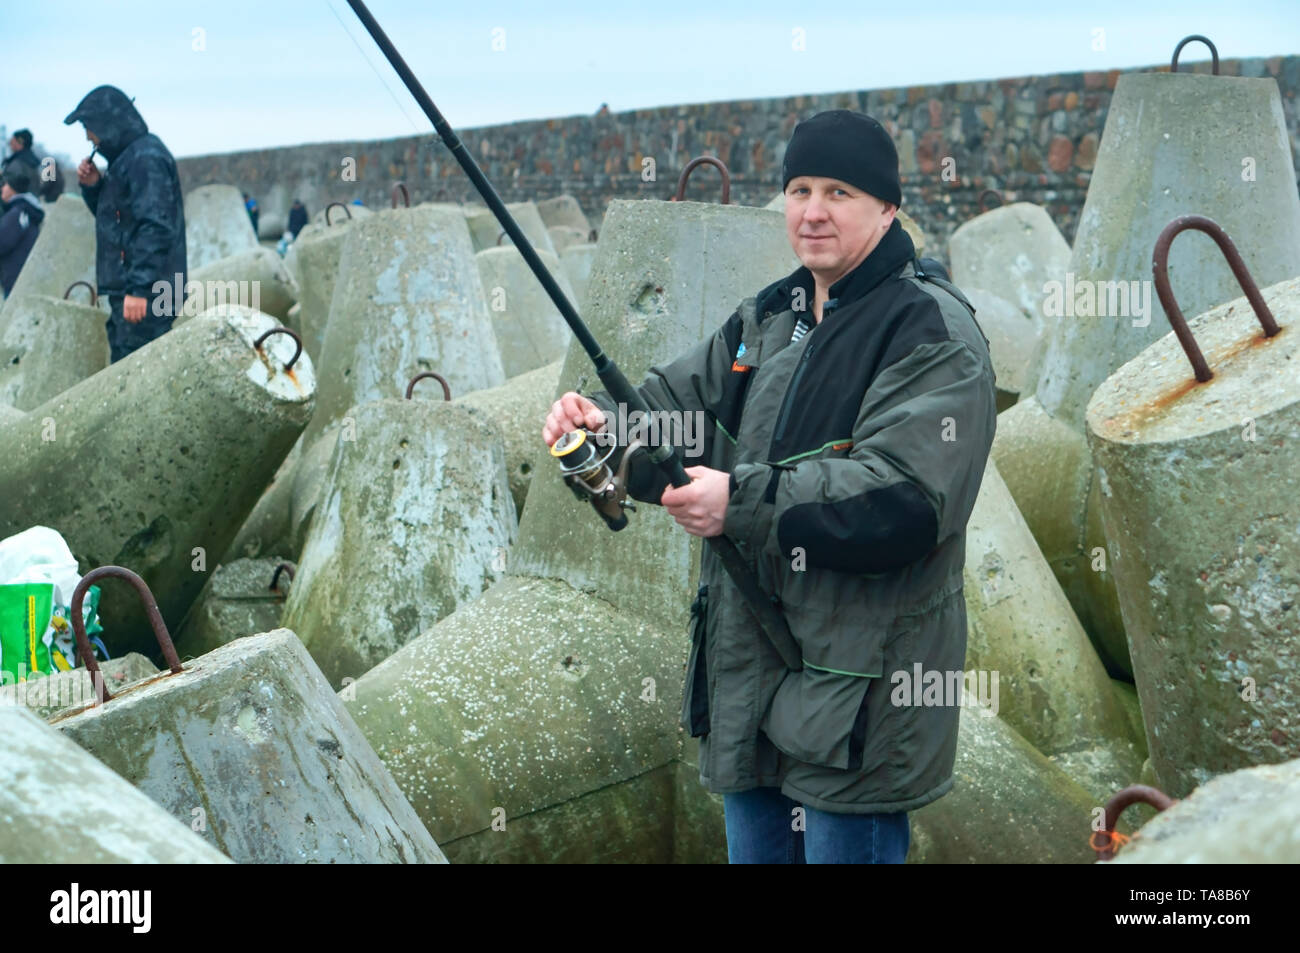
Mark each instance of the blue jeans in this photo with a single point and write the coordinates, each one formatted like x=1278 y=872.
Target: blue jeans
x=761 y=829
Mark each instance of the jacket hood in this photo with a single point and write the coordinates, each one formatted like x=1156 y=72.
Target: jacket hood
x=109 y=114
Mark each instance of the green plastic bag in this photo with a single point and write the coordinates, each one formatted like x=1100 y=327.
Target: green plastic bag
x=36 y=635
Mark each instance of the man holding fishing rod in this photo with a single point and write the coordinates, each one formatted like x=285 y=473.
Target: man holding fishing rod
x=851 y=407
x=853 y=411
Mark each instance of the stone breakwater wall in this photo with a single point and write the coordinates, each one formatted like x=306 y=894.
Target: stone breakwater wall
x=1034 y=138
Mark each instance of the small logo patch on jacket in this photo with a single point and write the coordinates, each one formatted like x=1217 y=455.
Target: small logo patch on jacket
x=740 y=367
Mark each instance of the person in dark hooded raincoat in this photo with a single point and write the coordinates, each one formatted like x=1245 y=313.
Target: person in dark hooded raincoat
x=139 y=220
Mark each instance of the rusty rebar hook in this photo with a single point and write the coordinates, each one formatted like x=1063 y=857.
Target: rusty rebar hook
x=692 y=166
x=1214 y=53
x=1133 y=794
x=346 y=211
x=94 y=296
x=1160 y=269
x=406 y=196
x=996 y=194
x=501 y=236
x=283 y=330
x=285 y=567
x=423 y=375
x=102 y=693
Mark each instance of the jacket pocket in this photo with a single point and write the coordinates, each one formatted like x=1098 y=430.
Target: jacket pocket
x=695 y=697
x=821 y=715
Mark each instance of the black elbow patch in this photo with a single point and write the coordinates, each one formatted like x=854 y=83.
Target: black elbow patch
x=877 y=531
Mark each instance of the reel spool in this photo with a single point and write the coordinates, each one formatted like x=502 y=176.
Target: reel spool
x=584 y=466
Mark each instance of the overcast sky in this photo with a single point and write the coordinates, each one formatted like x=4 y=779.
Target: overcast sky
x=238 y=74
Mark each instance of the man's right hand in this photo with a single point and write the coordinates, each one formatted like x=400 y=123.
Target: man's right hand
x=572 y=412
x=87 y=173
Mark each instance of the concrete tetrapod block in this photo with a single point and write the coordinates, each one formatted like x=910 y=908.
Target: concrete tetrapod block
x=290 y=258
x=1198 y=498
x=64 y=252
x=255 y=277
x=1168 y=140
x=316 y=254
x=486 y=230
x=251 y=738
x=562 y=236
x=48 y=696
x=1051 y=686
x=620 y=823
x=1048 y=469
x=237 y=600
x=307 y=484
x=913 y=230
x=530 y=332
x=1251 y=816
x=415 y=520
x=517 y=410
x=155 y=461
x=1012 y=252
x=1013 y=340
x=1173 y=145
x=43 y=775
x=266 y=531
x=576 y=261
x=563 y=211
x=1008 y=804
x=216 y=225
x=565 y=678
x=46 y=346
x=408 y=299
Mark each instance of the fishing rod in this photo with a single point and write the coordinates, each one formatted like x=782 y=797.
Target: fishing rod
x=664 y=456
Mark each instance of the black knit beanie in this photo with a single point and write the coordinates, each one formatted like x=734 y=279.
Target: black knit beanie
x=845 y=145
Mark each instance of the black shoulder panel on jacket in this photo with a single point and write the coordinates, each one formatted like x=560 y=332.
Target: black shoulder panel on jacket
x=850 y=350
x=877 y=531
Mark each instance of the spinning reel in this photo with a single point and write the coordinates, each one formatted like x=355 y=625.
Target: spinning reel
x=584 y=466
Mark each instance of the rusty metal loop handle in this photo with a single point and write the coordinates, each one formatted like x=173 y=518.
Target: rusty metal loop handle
x=406 y=196
x=1160 y=269
x=996 y=194
x=1214 y=53
x=696 y=163
x=283 y=330
x=1133 y=794
x=285 y=567
x=423 y=375
x=151 y=610
x=346 y=211
x=501 y=236
x=94 y=296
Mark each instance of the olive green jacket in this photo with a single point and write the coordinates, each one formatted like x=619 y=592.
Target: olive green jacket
x=856 y=455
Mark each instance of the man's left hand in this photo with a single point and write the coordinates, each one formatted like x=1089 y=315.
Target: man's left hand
x=133 y=308
x=699 y=507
